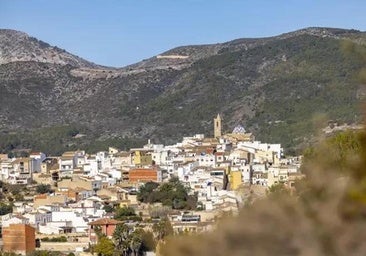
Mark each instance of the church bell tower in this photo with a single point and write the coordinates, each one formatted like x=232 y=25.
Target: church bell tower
x=217 y=126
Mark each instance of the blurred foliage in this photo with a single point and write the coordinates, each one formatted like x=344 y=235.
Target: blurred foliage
x=335 y=151
x=277 y=190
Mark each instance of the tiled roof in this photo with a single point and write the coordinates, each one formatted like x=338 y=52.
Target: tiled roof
x=105 y=221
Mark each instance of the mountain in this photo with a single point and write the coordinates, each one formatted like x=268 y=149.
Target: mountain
x=18 y=46
x=283 y=89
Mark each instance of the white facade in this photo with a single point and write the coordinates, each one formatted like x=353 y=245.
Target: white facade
x=38 y=218
x=66 y=166
x=36 y=161
x=55 y=227
x=6 y=169
x=76 y=220
x=10 y=218
x=206 y=160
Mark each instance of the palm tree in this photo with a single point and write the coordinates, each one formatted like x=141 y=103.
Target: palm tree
x=121 y=237
x=135 y=243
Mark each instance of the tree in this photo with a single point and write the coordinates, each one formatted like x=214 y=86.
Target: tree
x=19 y=197
x=126 y=213
x=104 y=247
x=5 y=208
x=148 y=241
x=108 y=208
x=43 y=189
x=135 y=243
x=128 y=241
x=172 y=193
x=121 y=237
x=163 y=229
x=146 y=190
x=14 y=189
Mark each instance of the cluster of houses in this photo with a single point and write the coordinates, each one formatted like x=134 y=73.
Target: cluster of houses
x=215 y=169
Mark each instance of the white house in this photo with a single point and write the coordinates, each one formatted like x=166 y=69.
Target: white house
x=11 y=218
x=205 y=159
x=36 y=159
x=6 y=168
x=77 y=221
x=40 y=217
x=67 y=163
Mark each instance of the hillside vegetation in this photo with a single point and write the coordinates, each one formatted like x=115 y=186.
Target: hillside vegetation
x=283 y=89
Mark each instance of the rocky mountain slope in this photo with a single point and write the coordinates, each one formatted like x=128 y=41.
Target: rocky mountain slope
x=18 y=46
x=283 y=89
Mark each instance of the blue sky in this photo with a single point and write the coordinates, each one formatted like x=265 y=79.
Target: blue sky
x=118 y=32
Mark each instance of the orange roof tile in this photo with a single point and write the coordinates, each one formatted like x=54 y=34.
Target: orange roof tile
x=105 y=221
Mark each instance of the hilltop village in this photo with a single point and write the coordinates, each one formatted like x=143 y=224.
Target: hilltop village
x=79 y=196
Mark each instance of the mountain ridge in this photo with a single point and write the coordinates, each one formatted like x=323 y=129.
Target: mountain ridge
x=212 y=48
x=275 y=86
x=19 y=46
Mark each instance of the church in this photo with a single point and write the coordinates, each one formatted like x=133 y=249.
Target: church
x=237 y=135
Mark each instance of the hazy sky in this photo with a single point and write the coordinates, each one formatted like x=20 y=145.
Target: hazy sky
x=118 y=32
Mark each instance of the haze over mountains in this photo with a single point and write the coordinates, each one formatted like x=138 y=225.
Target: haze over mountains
x=283 y=89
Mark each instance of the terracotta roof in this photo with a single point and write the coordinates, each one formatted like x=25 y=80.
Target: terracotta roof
x=40 y=196
x=105 y=221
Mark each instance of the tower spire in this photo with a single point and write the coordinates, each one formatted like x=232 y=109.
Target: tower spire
x=217 y=126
